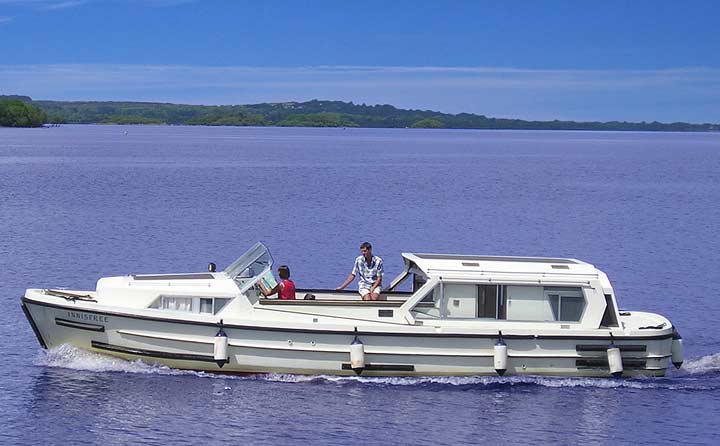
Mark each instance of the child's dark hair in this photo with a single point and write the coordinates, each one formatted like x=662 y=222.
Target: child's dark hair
x=284 y=272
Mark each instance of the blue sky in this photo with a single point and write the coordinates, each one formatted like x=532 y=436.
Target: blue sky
x=604 y=60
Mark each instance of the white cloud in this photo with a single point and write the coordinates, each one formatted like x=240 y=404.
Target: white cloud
x=52 y=6
x=495 y=77
x=162 y=3
x=43 y=5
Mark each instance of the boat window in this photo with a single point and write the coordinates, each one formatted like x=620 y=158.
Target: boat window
x=257 y=260
x=206 y=305
x=609 y=319
x=527 y=303
x=531 y=303
x=487 y=301
x=176 y=303
x=190 y=304
x=401 y=282
x=461 y=301
x=567 y=303
x=502 y=302
x=429 y=306
x=219 y=304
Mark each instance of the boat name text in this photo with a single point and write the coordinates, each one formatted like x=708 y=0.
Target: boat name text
x=88 y=317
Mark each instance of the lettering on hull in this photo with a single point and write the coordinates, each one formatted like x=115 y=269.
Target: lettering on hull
x=90 y=317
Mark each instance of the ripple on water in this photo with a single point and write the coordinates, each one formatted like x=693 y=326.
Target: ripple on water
x=707 y=364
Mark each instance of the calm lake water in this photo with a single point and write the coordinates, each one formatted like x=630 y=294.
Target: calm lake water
x=81 y=202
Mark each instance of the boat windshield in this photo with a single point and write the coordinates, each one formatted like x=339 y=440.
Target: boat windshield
x=251 y=266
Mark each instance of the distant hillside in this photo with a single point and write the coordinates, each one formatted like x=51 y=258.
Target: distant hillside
x=15 y=111
x=317 y=114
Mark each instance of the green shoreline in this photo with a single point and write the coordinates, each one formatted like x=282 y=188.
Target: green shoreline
x=314 y=113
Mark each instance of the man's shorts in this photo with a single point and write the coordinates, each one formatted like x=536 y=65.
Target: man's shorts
x=364 y=291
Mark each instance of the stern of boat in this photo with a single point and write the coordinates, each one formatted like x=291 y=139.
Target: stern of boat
x=656 y=335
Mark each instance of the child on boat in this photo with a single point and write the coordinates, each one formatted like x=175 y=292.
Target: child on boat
x=285 y=289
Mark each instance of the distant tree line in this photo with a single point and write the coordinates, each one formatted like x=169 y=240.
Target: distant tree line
x=315 y=114
x=14 y=112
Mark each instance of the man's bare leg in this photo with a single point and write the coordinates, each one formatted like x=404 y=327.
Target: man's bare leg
x=367 y=296
x=374 y=296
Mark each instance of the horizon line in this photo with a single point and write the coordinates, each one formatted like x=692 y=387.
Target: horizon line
x=371 y=105
x=670 y=94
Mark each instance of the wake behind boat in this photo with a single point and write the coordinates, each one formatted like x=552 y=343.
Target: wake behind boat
x=461 y=315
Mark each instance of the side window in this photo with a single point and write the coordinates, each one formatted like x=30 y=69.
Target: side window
x=529 y=303
x=177 y=303
x=220 y=304
x=511 y=302
x=429 y=306
x=567 y=304
x=449 y=300
x=190 y=304
x=418 y=281
x=206 y=305
x=609 y=318
x=488 y=301
x=461 y=301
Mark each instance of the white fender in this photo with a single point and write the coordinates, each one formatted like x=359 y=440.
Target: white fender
x=500 y=356
x=614 y=360
x=357 y=355
x=220 y=350
x=677 y=350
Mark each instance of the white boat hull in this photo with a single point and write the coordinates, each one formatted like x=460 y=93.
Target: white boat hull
x=184 y=344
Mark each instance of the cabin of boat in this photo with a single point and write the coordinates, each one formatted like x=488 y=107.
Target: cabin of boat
x=442 y=315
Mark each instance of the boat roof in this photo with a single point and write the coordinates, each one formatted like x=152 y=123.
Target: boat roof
x=437 y=264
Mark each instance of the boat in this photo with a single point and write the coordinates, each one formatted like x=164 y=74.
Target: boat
x=443 y=315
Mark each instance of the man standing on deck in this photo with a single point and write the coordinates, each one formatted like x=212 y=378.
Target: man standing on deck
x=370 y=270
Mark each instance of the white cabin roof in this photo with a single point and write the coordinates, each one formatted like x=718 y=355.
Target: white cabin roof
x=482 y=266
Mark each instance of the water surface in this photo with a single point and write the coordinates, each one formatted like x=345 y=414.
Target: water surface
x=81 y=202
